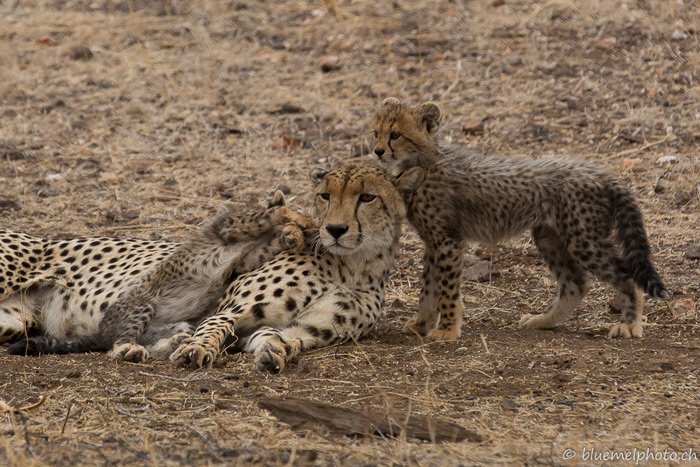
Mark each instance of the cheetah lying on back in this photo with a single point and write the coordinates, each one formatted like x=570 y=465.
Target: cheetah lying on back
x=571 y=207
x=101 y=293
x=330 y=292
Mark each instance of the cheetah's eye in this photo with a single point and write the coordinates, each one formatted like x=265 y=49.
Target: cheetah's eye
x=366 y=197
x=395 y=135
x=375 y=134
x=325 y=196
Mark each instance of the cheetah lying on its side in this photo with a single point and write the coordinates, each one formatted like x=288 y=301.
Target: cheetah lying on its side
x=100 y=293
x=572 y=208
x=332 y=291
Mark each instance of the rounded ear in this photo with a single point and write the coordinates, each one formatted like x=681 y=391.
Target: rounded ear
x=411 y=179
x=390 y=101
x=278 y=199
x=430 y=115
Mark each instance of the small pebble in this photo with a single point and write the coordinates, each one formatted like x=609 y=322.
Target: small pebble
x=204 y=390
x=217 y=381
x=668 y=394
x=666 y=366
x=236 y=377
x=246 y=384
x=411 y=372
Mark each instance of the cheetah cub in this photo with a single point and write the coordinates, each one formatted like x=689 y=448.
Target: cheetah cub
x=331 y=291
x=131 y=295
x=572 y=209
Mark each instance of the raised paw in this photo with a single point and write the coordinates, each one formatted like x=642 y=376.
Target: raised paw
x=444 y=334
x=292 y=236
x=535 y=322
x=413 y=326
x=269 y=358
x=130 y=353
x=193 y=355
x=626 y=330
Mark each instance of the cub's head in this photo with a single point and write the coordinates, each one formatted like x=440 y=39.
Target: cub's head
x=404 y=135
x=361 y=208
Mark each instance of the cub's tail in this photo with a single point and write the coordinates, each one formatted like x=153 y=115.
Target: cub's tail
x=46 y=345
x=636 y=252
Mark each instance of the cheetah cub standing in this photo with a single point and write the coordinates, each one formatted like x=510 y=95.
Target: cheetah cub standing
x=570 y=207
x=331 y=291
x=131 y=295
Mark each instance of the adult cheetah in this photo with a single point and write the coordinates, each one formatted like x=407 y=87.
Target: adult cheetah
x=571 y=207
x=330 y=292
x=130 y=295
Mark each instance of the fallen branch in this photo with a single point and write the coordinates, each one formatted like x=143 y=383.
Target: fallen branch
x=298 y=412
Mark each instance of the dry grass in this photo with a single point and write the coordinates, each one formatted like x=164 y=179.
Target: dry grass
x=175 y=114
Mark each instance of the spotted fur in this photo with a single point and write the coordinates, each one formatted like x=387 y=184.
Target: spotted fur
x=131 y=295
x=330 y=292
x=572 y=209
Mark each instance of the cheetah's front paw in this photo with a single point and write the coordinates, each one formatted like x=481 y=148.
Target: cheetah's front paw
x=444 y=334
x=269 y=358
x=413 y=326
x=535 y=322
x=293 y=237
x=193 y=355
x=626 y=330
x=130 y=353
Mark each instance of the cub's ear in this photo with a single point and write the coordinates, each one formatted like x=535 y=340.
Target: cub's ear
x=390 y=101
x=410 y=180
x=430 y=116
x=278 y=199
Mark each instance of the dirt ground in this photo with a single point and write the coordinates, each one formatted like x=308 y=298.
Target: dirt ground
x=179 y=107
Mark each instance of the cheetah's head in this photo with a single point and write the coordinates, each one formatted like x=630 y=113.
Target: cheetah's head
x=404 y=134
x=361 y=208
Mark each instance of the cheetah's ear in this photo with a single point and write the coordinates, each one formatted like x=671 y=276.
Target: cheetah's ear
x=410 y=180
x=430 y=115
x=390 y=102
x=278 y=199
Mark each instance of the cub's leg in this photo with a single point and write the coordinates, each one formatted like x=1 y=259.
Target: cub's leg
x=124 y=322
x=16 y=318
x=427 y=315
x=450 y=257
x=235 y=229
x=601 y=259
x=162 y=340
x=571 y=280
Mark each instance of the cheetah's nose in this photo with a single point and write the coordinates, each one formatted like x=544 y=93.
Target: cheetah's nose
x=337 y=230
x=379 y=152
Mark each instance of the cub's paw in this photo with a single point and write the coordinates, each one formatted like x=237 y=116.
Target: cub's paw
x=626 y=330
x=193 y=355
x=413 y=326
x=162 y=349
x=535 y=322
x=130 y=353
x=292 y=236
x=269 y=358
x=444 y=334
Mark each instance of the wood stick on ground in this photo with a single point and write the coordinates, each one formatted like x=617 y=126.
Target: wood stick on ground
x=355 y=422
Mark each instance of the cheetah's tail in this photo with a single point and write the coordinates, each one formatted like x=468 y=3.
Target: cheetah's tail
x=635 y=245
x=45 y=345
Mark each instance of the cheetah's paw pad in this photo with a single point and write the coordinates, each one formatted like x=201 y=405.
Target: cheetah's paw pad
x=130 y=353
x=414 y=327
x=444 y=334
x=535 y=322
x=269 y=359
x=193 y=355
x=293 y=237
x=626 y=330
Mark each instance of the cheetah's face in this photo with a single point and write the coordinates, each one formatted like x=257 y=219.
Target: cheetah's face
x=361 y=208
x=403 y=133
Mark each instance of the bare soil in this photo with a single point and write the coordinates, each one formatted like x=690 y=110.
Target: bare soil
x=180 y=107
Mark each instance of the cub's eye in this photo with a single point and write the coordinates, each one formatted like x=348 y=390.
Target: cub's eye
x=325 y=196
x=395 y=135
x=375 y=134
x=366 y=197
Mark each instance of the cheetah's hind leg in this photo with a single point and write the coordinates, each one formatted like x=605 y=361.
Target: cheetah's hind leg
x=571 y=281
